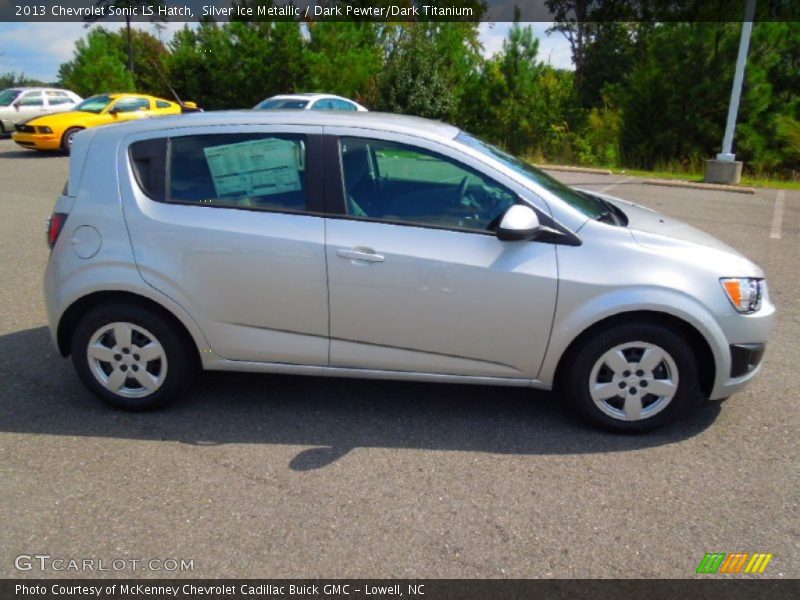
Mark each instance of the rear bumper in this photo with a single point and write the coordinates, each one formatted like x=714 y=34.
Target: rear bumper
x=37 y=141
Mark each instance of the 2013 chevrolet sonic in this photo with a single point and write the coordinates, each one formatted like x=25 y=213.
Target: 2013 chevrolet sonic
x=383 y=246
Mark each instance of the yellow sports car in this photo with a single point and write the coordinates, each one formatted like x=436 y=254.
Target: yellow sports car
x=55 y=132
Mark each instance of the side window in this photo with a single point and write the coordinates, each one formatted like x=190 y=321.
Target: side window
x=56 y=98
x=326 y=104
x=240 y=170
x=343 y=105
x=162 y=104
x=400 y=183
x=32 y=99
x=132 y=105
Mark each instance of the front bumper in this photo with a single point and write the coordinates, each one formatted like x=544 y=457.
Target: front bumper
x=37 y=141
x=739 y=360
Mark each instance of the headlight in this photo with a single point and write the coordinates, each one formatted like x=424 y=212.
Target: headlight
x=44 y=130
x=745 y=293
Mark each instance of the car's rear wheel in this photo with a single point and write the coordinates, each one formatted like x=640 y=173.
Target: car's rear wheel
x=634 y=377
x=131 y=357
x=66 y=139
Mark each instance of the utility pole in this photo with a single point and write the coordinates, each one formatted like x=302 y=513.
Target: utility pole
x=726 y=169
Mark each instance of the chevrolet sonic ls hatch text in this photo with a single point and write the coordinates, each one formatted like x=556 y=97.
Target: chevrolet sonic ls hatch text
x=373 y=245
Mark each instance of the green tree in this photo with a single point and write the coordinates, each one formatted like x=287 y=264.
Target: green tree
x=413 y=81
x=151 y=75
x=346 y=59
x=137 y=4
x=13 y=79
x=676 y=100
x=98 y=66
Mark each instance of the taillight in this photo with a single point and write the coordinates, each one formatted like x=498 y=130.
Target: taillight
x=54 y=227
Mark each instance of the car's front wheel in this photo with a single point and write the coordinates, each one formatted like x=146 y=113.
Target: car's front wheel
x=66 y=139
x=633 y=377
x=131 y=357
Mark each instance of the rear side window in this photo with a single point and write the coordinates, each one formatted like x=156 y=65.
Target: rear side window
x=162 y=104
x=255 y=171
x=132 y=105
x=55 y=98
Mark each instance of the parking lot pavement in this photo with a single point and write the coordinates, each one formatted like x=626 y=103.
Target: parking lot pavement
x=267 y=476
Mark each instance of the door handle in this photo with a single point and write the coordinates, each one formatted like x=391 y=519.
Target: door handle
x=363 y=254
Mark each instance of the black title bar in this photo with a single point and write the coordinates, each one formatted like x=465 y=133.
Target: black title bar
x=410 y=589
x=393 y=10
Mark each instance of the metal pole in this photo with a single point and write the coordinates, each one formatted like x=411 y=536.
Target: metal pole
x=738 y=78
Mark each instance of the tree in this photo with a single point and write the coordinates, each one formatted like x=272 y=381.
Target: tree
x=98 y=66
x=345 y=58
x=13 y=79
x=151 y=75
x=133 y=4
x=413 y=81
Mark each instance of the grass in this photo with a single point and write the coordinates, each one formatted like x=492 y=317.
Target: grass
x=698 y=177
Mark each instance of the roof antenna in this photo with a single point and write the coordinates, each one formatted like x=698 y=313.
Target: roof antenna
x=186 y=107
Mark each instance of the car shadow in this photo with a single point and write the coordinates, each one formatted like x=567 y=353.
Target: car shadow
x=23 y=153
x=40 y=394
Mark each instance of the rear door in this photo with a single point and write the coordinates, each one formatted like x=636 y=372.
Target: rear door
x=228 y=223
x=418 y=281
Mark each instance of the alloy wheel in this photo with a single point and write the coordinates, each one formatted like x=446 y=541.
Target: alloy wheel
x=127 y=359
x=633 y=381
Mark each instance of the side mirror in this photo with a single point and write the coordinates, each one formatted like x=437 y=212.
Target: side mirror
x=16 y=106
x=519 y=223
x=113 y=111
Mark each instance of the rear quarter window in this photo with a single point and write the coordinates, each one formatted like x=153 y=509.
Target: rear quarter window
x=149 y=161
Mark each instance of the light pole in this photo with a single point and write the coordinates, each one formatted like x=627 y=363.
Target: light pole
x=726 y=169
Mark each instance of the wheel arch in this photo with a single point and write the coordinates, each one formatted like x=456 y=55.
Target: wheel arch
x=75 y=128
x=707 y=367
x=72 y=315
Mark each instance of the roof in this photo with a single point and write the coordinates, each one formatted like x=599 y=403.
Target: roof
x=38 y=89
x=306 y=96
x=367 y=120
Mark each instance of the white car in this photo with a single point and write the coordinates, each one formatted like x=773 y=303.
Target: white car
x=309 y=102
x=23 y=103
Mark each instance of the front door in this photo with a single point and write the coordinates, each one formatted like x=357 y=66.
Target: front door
x=417 y=280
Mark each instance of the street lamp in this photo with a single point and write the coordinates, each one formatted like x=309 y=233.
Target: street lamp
x=726 y=169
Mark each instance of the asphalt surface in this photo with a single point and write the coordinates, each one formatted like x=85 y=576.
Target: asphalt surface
x=270 y=476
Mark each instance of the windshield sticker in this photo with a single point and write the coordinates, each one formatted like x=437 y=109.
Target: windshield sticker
x=254 y=168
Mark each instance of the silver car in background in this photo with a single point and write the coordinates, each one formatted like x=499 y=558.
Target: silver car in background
x=23 y=103
x=382 y=246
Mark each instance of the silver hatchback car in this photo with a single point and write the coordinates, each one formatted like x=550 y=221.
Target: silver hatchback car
x=383 y=246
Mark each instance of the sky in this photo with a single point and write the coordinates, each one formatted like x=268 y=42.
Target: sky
x=37 y=49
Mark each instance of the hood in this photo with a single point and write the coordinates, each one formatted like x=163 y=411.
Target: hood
x=65 y=119
x=647 y=226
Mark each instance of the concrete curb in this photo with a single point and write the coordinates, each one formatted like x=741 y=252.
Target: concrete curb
x=574 y=169
x=696 y=185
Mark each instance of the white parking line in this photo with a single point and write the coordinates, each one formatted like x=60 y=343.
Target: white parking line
x=777 y=216
x=615 y=184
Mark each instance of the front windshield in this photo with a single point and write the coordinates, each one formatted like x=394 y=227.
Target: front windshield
x=95 y=104
x=8 y=96
x=282 y=104
x=575 y=199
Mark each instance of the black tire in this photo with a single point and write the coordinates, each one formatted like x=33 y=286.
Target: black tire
x=577 y=377
x=179 y=363
x=66 y=139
